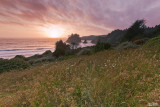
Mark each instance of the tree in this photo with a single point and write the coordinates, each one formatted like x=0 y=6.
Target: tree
x=101 y=46
x=135 y=31
x=73 y=45
x=74 y=38
x=61 y=49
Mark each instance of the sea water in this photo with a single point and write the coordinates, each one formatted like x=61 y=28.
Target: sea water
x=9 y=48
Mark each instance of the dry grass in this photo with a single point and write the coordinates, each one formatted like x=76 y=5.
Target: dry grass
x=109 y=78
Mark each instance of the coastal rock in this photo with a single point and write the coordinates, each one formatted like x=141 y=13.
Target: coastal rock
x=85 y=41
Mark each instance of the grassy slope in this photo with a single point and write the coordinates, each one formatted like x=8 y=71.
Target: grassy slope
x=110 y=78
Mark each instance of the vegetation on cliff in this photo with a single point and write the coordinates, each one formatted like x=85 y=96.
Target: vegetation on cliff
x=109 y=78
x=138 y=30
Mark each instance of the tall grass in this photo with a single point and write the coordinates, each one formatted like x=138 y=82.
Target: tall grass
x=109 y=78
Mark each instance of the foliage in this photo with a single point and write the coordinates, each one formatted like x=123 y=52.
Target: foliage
x=126 y=78
x=115 y=36
x=12 y=64
x=151 y=32
x=153 y=44
x=74 y=45
x=136 y=30
x=47 y=53
x=101 y=46
x=61 y=49
x=20 y=57
x=140 y=41
x=74 y=40
x=126 y=45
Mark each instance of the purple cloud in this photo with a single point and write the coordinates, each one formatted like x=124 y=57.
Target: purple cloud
x=93 y=16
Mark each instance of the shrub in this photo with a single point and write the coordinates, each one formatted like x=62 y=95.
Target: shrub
x=153 y=44
x=20 y=57
x=85 y=51
x=140 y=41
x=127 y=45
x=47 y=53
x=15 y=63
x=101 y=46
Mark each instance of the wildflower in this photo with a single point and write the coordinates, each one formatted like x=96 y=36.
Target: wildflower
x=113 y=65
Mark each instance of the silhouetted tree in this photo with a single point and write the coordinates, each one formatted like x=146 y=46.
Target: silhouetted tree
x=73 y=45
x=74 y=38
x=61 y=49
x=152 y=31
x=135 y=31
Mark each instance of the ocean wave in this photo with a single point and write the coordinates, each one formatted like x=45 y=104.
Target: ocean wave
x=25 y=49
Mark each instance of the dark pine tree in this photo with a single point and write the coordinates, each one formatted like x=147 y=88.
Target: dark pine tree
x=135 y=31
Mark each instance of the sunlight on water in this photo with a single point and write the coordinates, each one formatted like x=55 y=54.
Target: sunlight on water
x=27 y=47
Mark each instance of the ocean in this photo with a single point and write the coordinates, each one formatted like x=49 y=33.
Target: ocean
x=9 y=48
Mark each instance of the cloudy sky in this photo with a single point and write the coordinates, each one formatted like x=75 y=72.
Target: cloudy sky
x=43 y=18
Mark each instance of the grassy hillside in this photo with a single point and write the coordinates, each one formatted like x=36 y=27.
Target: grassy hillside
x=109 y=78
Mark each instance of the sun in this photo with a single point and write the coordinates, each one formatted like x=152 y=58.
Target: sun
x=54 y=32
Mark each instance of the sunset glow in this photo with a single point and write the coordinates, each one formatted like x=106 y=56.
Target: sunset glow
x=23 y=18
x=54 y=32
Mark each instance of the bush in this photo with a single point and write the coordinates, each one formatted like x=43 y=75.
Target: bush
x=61 y=49
x=101 y=46
x=47 y=53
x=126 y=45
x=153 y=44
x=15 y=63
x=20 y=57
x=140 y=41
x=85 y=51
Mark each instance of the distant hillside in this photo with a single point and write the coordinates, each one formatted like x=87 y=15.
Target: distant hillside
x=112 y=38
x=91 y=37
x=116 y=36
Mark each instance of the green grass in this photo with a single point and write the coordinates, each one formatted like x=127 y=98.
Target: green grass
x=109 y=78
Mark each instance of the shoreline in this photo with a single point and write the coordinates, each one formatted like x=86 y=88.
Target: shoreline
x=24 y=52
x=11 y=53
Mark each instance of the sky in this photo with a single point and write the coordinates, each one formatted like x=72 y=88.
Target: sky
x=46 y=18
